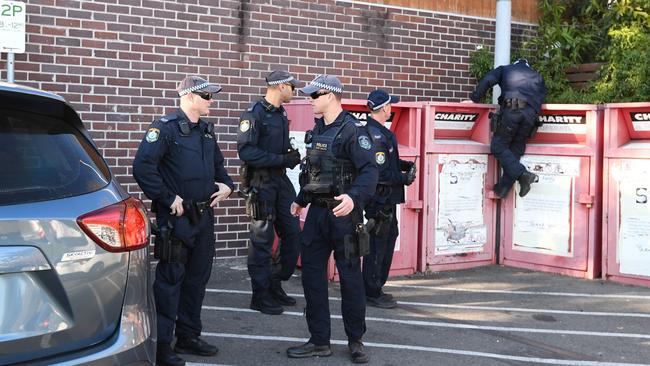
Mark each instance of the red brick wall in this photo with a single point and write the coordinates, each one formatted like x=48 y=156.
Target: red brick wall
x=118 y=62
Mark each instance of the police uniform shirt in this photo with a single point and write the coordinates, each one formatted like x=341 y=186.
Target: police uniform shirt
x=517 y=81
x=352 y=143
x=177 y=157
x=387 y=159
x=263 y=135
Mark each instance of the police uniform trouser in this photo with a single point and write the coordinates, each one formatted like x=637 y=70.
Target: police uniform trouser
x=278 y=193
x=179 y=288
x=509 y=142
x=376 y=265
x=323 y=232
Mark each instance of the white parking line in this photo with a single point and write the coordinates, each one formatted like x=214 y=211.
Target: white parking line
x=550 y=361
x=517 y=292
x=474 y=307
x=457 y=325
x=204 y=364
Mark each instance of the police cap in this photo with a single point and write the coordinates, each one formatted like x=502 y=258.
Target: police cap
x=327 y=82
x=379 y=98
x=278 y=77
x=195 y=83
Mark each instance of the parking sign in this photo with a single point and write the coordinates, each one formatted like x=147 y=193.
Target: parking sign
x=12 y=26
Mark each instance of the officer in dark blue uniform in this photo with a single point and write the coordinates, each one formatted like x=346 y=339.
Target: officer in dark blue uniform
x=338 y=178
x=180 y=168
x=381 y=212
x=264 y=147
x=522 y=95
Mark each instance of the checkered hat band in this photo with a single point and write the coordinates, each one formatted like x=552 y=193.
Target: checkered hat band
x=277 y=82
x=194 y=88
x=327 y=87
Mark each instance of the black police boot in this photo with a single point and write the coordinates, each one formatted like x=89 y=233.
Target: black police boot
x=357 y=352
x=383 y=301
x=382 y=293
x=166 y=357
x=525 y=180
x=279 y=295
x=500 y=191
x=309 y=350
x=266 y=304
x=195 y=346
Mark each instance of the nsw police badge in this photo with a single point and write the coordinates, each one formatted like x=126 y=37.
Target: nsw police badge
x=152 y=135
x=244 y=125
x=380 y=157
x=364 y=142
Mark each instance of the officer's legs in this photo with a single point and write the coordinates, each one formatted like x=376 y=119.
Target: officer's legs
x=167 y=290
x=500 y=146
x=261 y=246
x=197 y=275
x=393 y=232
x=371 y=266
x=353 y=300
x=315 y=252
x=288 y=229
x=518 y=145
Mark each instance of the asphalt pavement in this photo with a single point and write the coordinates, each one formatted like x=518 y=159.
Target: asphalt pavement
x=485 y=316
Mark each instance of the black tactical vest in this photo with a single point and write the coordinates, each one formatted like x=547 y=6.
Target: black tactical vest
x=323 y=174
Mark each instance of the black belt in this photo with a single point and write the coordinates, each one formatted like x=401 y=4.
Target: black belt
x=514 y=103
x=202 y=206
x=325 y=202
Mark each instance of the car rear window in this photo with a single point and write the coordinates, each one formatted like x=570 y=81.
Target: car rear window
x=44 y=158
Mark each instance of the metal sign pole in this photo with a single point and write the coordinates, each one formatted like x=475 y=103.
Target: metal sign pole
x=10 y=67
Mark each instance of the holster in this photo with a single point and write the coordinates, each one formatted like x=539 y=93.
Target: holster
x=191 y=210
x=382 y=223
x=495 y=118
x=167 y=248
x=255 y=208
x=357 y=244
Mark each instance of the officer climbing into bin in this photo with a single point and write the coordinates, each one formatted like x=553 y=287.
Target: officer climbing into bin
x=522 y=95
x=381 y=211
x=179 y=166
x=264 y=148
x=338 y=178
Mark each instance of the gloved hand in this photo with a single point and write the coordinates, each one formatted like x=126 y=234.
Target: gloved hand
x=405 y=165
x=291 y=159
x=408 y=178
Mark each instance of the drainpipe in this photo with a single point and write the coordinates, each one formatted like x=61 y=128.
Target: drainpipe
x=502 y=39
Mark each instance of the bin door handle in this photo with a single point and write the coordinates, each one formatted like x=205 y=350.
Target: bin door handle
x=414 y=205
x=586 y=199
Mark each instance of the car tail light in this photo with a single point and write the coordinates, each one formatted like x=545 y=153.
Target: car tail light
x=121 y=227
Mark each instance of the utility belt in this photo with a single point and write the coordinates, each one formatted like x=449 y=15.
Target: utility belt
x=168 y=248
x=194 y=209
x=326 y=202
x=268 y=172
x=512 y=103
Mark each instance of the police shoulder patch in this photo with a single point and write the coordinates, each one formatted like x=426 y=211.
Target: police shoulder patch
x=364 y=142
x=380 y=157
x=244 y=125
x=152 y=135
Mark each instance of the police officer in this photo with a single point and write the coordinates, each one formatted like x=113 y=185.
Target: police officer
x=522 y=95
x=393 y=175
x=180 y=168
x=338 y=178
x=263 y=146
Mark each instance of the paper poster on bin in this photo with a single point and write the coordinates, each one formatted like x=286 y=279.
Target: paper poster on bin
x=634 y=227
x=542 y=219
x=297 y=139
x=460 y=224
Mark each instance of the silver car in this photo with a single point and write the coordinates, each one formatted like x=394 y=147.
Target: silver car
x=74 y=266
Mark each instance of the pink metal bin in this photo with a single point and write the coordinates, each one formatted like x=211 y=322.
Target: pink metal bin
x=556 y=227
x=459 y=222
x=626 y=193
